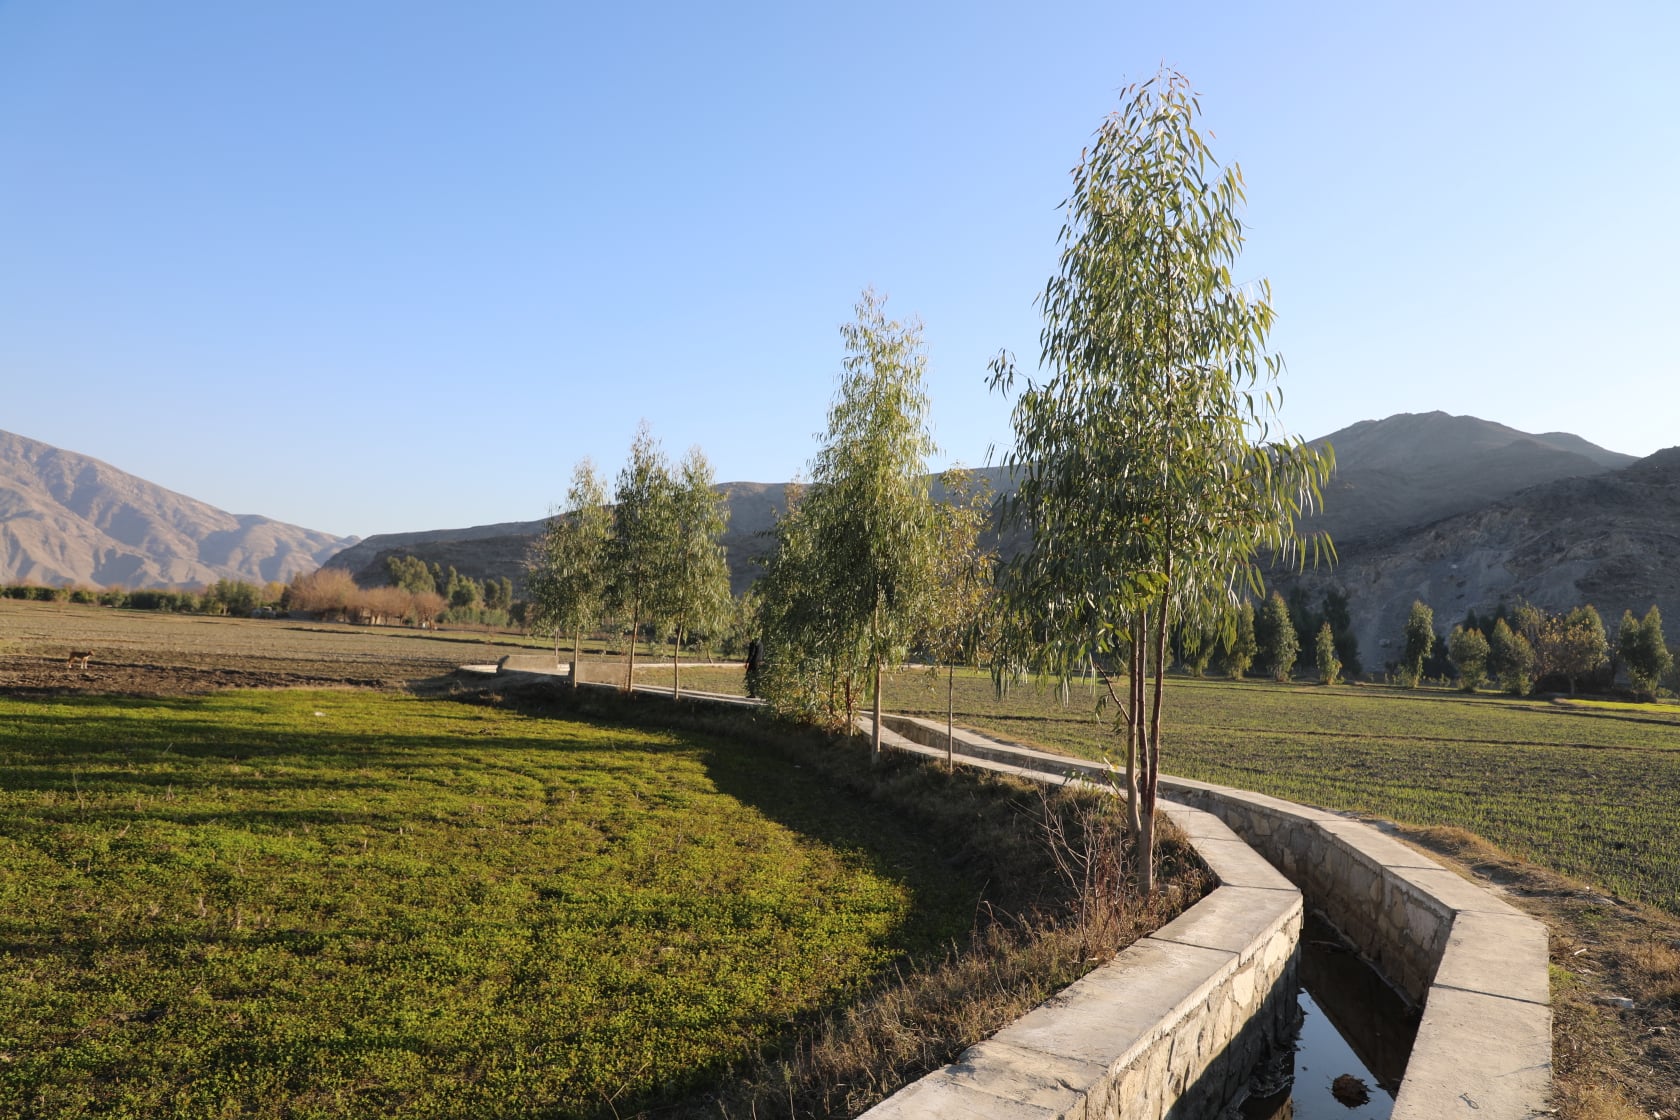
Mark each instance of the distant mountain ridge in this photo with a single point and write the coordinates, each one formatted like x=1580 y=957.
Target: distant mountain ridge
x=67 y=518
x=1457 y=511
x=1414 y=468
x=1463 y=513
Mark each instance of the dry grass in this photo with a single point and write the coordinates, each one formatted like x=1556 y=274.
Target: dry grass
x=922 y=1021
x=1611 y=1061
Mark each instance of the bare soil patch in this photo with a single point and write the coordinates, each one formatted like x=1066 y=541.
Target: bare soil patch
x=146 y=653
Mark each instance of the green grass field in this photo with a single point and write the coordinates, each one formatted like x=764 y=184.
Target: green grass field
x=1590 y=791
x=1588 y=788
x=353 y=904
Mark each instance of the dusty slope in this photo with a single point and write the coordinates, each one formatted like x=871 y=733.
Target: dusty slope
x=70 y=519
x=1612 y=540
x=1416 y=468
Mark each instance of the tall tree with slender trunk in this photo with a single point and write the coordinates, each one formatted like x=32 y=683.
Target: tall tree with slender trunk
x=639 y=549
x=870 y=514
x=1146 y=474
x=697 y=594
x=567 y=578
x=958 y=620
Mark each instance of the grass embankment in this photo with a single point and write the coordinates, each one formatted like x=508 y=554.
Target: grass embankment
x=1588 y=789
x=353 y=904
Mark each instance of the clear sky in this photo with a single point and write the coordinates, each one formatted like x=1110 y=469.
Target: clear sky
x=375 y=267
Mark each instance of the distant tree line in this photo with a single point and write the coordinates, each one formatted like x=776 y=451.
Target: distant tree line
x=224 y=597
x=1520 y=648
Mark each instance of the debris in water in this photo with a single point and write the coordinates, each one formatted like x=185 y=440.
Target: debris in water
x=1350 y=1090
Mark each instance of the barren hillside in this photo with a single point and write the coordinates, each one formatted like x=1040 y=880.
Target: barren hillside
x=70 y=519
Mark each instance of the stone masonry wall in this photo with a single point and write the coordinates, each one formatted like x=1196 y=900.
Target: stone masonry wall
x=1476 y=964
x=1169 y=1030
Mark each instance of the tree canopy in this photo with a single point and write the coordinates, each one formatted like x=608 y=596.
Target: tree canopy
x=1145 y=467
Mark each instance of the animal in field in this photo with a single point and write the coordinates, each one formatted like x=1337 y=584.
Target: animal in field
x=78 y=655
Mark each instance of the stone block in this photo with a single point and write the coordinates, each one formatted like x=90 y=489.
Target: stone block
x=1235 y=920
x=1478 y=1057
x=1496 y=955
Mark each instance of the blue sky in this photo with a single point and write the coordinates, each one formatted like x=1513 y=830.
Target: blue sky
x=375 y=267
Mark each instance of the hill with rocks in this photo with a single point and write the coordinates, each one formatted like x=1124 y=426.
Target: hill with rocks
x=1464 y=513
x=68 y=519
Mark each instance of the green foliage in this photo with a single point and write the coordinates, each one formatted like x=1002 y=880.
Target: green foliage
x=1510 y=659
x=1329 y=665
x=695 y=598
x=1417 y=641
x=1145 y=493
x=849 y=587
x=638 y=552
x=1336 y=613
x=567 y=570
x=1241 y=645
x=1274 y=630
x=1469 y=652
x=411 y=574
x=1576 y=645
x=1644 y=651
x=958 y=626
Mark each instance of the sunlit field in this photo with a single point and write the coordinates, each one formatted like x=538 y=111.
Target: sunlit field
x=342 y=903
x=1588 y=788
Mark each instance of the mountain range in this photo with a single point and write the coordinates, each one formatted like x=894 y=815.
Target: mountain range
x=68 y=519
x=1458 y=511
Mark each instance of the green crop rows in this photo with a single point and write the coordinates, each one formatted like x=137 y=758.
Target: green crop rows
x=346 y=904
x=1591 y=790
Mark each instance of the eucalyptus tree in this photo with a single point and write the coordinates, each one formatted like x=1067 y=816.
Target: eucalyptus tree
x=1329 y=665
x=1280 y=645
x=638 y=550
x=696 y=592
x=958 y=621
x=1146 y=471
x=568 y=569
x=1467 y=648
x=1417 y=640
x=853 y=569
x=1643 y=650
x=805 y=646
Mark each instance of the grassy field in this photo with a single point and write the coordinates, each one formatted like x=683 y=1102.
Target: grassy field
x=304 y=903
x=1590 y=789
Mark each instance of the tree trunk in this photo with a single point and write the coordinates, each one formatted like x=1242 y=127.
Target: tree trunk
x=577 y=653
x=1152 y=759
x=875 y=731
x=630 y=670
x=676 y=654
x=950 y=717
x=1146 y=850
x=1134 y=729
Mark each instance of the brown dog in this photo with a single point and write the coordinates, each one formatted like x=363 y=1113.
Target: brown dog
x=80 y=655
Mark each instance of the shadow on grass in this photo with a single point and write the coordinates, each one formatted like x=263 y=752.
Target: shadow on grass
x=80 y=759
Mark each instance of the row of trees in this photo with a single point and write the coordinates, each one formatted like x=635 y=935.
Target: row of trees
x=1524 y=645
x=652 y=559
x=224 y=597
x=1146 y=495
x=459 y=592
x=332 y=593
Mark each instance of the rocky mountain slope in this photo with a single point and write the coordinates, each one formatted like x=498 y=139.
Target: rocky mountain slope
x=1416 y=468
x=1606 y=537
x=70 y=519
